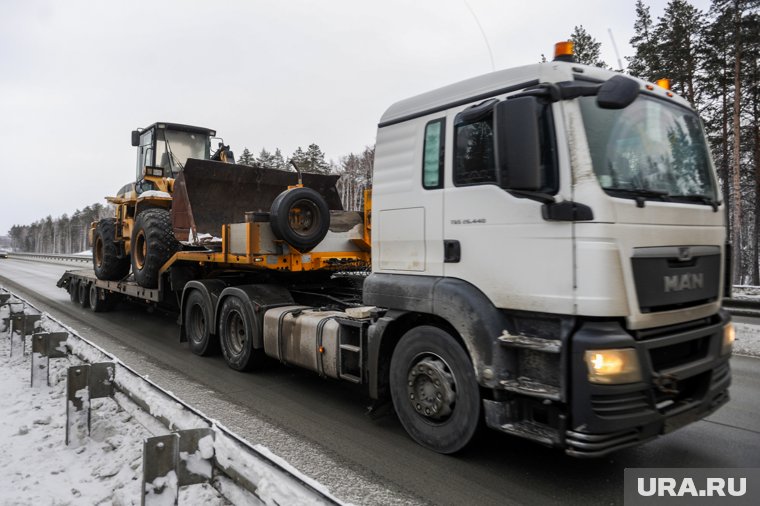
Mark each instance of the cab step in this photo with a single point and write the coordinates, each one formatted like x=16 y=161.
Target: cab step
x=531 y=343
x=532 y=388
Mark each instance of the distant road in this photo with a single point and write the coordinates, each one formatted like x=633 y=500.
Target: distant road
x=320 y=425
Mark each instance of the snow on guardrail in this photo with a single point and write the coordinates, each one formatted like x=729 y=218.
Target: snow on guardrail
x=243 y=473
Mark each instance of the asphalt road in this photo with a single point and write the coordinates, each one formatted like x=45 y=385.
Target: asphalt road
x=320 y=425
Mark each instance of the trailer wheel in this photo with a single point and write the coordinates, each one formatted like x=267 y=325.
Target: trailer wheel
x=434 y=389
x=198 y=321
x=236 y=335
x=153 y=243
x=300 y=217
x=83 y=294
x=108 y=260
x=74 y=290
x=100 y=300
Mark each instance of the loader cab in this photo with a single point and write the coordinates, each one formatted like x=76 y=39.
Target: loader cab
x=163 y=148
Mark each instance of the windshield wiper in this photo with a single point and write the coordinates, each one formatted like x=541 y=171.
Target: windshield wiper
x=700 y=199
x=639 y=194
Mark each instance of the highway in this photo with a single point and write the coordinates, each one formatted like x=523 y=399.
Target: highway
x=320 y=426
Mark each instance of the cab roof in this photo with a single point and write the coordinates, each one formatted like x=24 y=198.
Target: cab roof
x=180 y=127
x=498 y=83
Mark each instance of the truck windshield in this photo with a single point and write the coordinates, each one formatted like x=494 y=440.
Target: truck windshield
x=651 y=149
x=173 y=148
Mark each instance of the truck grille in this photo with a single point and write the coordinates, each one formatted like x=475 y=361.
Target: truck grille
x=674 y=355
x=675 y=277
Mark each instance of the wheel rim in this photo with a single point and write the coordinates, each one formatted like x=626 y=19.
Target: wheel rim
x=99 y=252
x=236 y=332
x=141 y=249
x=303 y=217
x=431 y=388
x=197 y=323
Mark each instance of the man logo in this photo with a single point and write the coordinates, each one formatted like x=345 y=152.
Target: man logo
x=684 y=254
x=679 y=283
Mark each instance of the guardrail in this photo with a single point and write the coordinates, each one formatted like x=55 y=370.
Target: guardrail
x=735 y=306
x=742 y=307
x=50 y=256
x=262 y=474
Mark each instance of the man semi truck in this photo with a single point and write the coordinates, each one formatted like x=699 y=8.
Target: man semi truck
x=548 y=254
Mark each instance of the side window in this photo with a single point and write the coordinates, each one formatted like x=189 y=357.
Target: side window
x=474 y=161
x=433 y=154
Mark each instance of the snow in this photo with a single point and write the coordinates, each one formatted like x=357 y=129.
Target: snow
x=38 y=467
x=106 y=466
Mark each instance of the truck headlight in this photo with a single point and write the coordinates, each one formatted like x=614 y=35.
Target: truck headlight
x=613 y=367
x=729 y=336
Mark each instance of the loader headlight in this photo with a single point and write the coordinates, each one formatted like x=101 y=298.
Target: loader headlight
x=613 y=367
x=729 y=336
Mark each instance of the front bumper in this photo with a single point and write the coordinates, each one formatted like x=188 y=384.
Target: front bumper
x=685 y=378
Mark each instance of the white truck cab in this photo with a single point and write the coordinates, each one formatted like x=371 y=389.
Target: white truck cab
x=563 y=223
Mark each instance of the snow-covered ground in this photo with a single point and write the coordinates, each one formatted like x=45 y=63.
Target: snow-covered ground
x=38 y=467
x=106 y=468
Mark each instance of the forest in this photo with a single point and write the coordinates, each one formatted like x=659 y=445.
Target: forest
x=711 y=58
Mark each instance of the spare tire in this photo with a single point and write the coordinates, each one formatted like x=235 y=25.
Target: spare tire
x=108 y=259
x=153 y=243
x=300 y=217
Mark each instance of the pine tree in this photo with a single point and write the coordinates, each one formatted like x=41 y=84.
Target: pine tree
x=678 y=34
x=587 y=49
x=311 y=160
x=246 y=158
x=278 y=161
x=265 y=158
x=644 y=62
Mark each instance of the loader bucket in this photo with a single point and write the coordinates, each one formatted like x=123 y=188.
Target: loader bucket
x=208 y=194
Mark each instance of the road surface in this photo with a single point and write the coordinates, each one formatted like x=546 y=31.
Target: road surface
x=320 y=425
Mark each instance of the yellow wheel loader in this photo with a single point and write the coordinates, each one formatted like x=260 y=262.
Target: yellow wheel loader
x=140 y=236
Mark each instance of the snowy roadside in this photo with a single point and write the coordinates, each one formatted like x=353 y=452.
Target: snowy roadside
x=108 y=467
x=38 y=468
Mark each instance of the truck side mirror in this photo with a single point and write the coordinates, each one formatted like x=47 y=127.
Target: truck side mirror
x=135 y=138
x=518 y=147
x=617 y=93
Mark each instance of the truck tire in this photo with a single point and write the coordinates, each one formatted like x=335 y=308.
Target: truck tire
x=300 y=217
x=74 y=290
x=107 y=259
x=83 y=294
x=153 y=243
x=236 y=335
x=198 y=319
x=434 y=390
x=100 y=300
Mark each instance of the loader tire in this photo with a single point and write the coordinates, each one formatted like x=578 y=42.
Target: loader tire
x=108 y=260
x=300 y=217
x=153 y=243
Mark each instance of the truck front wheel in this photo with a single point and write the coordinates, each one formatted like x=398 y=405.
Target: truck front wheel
x=236 y=335
x=434 y=389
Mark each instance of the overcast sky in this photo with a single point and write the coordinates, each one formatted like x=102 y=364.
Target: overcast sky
x=77 y=76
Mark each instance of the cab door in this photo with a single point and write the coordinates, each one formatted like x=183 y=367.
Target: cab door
x=496 y=240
